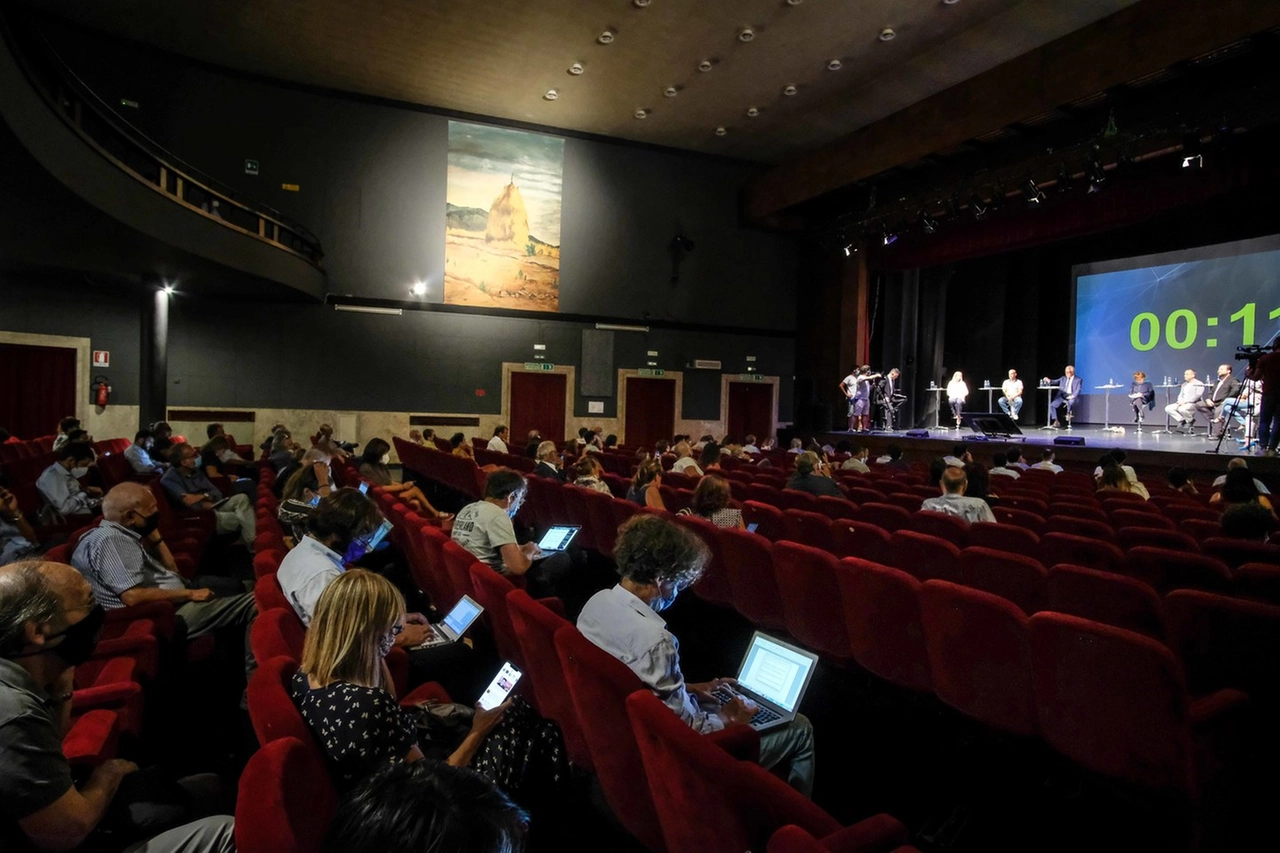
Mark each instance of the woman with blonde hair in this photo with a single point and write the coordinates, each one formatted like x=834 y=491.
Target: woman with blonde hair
x=588 y=474
x=344 y=691
x=957 y=393
x=644 y=486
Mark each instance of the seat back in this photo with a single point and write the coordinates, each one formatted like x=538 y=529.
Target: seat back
x=1141 y=518
x=1114 y=701
x=834 y=508
x=926 y=557
x=1058 y=548
x=861 y=540
x=491 y=590
x=457 y=562
x=1152 y=537
x=1106 y=597
x=268 y=595
x=808 y=528
x=1015 y=577
x=707 y=799
x=811 y=598
x=271 y=708
x=286 y=799
x=1225 y=642
x=1019 y=518
x=748 y=564
x=713 y=586
x=882 y=613
x=939 y=524
x=1167 y=568
x=795 y=499
x=1237 y=552
x=535 y=629
x=1004 y=537
x=886 y=516
x=1258 y=580
x=277 y=632
x=600 y=512
x=769 y=520
x=1100 y=530
x=979 y=659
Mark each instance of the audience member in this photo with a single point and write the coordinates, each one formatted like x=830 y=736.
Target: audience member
x=426 y=806
x=857 y=460
x=1251 y=521
x=588 y=474
x=1180 y=481
x=65 y=426
x=797 y=446
x=548 y=462
x=953 y=500
x=711 y=501
x=18 y=539
x=271 y=435
x=49 y=625
x=60 y=482
x=1114 y=479
x=461 y=447
x=893 y=458
x=645 y=485
x=813 y=476
x=1000 y=467
x=283 y=450
x=344 y=692
x=373 y=467
x=936 y=468
x=769 y=443
x=326 y=440
x=139 y=454
x=979 y=483
x=656 y=560
x=959 y=456
x=749 y=444
x=1239 y=489
x=610 y=442
x=684 y=463
x=213 y=457
x=306 y=486
x=189 y=488
x=1015 y=459
x=1046 y=462
x=1240 y=462
x=163 y=439
x=709 y=459
x=498 y=444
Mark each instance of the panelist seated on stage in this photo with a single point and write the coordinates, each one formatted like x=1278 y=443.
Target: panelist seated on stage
x=1184 y=410
x=1069 y=387
x=1224 y=390
x=957 y=394
x=1141 y=396
x=952 y=501
x=1011 y=395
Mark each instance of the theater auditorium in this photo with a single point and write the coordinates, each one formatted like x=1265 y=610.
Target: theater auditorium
x=639 y=425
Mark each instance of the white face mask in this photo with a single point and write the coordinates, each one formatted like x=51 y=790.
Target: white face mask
x=386 y=457
x=79 y=472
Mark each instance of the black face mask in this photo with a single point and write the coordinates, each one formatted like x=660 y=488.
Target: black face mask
x=78 y=642
x=149 y=524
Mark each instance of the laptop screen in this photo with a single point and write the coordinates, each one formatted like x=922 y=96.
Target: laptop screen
x=558 y=537
x=459 y=619
x=775 y=671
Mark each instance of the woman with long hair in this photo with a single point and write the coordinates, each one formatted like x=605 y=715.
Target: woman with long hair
x=373 y=467
x=344 y=691
x=644 y=486
x=588 y=474
x=711 y=501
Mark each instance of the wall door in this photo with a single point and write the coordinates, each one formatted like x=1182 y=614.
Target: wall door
x=651 y=410
x=37 y=388
x=537 y=402
x=750 y=410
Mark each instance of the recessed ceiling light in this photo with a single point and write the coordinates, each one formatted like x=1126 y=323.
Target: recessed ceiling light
x=789 y=90
x=887 y=34
x=670 y=92
x=640 y=4
x=834 y=65
x=706 y=65
x=576 y=68
x=798 y=2
x=641 y=113
x=605 y=37
x=752 y=112
x=551 y=95
x=746 y=34
x=721 y=131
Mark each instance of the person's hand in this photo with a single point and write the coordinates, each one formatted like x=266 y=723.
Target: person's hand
x=415 y=619
x=703 y=690
x=739 y=709
x=94 y=491
x=193 y=500
x=200 y=594
x=412 y=635
x=117 y=767
x=484 y=721
x=531 y=550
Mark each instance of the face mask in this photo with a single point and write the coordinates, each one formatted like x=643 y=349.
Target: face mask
x=386 y=457
x=196 y=461
x=662 y=602
x=79 y=641
x=80 y=471
x=149 y=524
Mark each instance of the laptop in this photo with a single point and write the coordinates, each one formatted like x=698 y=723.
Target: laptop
x=455 y=624
x=558 y=538
x=774 y=675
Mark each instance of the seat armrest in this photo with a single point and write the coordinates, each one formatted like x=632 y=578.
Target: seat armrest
x=741 y=741
x=1207 y=709
x=553 y=604
x=92 y=739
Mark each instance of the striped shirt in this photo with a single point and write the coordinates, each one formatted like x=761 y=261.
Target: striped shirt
x=112 y=559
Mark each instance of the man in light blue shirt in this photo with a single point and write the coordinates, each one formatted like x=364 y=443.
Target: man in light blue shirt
x=953 y=502
x=189 y=487
x=139 y=454
x=60 y=483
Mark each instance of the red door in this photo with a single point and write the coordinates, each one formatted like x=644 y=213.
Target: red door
x=651 y=410
x=537 y=402
x=37 y=388
x=750 y=410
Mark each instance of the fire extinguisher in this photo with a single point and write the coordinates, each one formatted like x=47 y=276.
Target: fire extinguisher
x=101 y=392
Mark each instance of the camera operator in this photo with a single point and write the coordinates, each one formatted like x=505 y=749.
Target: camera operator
x=1267 y=368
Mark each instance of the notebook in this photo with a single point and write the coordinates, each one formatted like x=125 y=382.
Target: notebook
x=774 y=675
x=455 y=624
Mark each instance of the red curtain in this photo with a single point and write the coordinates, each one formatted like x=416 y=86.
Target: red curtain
x=37 y=388
x=651 y=410
x=750 y=410
x=537 y=402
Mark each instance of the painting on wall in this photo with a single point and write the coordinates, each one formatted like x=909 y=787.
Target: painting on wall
x=502 y=235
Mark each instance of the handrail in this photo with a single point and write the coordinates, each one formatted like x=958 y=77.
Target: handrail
x=120 y=142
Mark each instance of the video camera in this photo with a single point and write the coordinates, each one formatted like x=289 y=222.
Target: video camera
x=1251 y=353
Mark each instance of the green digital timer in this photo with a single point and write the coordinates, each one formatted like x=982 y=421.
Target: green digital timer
x=1182 y=327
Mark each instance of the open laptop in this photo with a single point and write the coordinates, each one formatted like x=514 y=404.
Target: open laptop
x=558 y=537
x=455 y=624
x=775 y=676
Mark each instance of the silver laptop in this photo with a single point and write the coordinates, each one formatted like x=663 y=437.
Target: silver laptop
x=774 y=675
x=455 y=624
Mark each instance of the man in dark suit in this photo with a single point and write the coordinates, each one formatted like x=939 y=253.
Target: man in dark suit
x=548 y=462
x=1069 y=386
x=1226 y=388
x=1141 y=395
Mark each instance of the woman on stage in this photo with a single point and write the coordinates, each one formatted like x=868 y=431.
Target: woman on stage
x=957 y=393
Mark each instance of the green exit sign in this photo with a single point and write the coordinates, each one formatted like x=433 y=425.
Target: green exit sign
x=539 y=365
x=651 y=371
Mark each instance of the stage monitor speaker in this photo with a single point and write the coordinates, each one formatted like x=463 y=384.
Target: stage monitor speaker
x=917 y=433
x=1069 y=440
x=990 y=423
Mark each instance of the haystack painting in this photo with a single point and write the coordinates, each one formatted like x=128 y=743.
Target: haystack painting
x=502 y=237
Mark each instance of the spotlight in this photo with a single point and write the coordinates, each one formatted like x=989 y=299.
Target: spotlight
x=168 y=288
x=889 y=238
x=978 y=208
x=1032 y=193
x=419 y=288
x=928 y=223
x=1097 y=175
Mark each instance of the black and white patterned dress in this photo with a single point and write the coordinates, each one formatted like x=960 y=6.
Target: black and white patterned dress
x=359 y=728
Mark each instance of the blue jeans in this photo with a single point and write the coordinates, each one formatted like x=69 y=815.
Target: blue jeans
x=1268 y=432
x=1011 y=410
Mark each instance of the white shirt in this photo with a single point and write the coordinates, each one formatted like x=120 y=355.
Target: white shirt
x=953 y=461
x=305 y=572
x=750 y=448
x=497 y=445
x=1048 y=466
x=1191 y=391
x=140 y=460
x=64 y=492
x=1011 y=388
x=1261 y=487
x=1004 y=472
x=969 y=509
x=684 y=463
x=853 y=463
x=957 y=390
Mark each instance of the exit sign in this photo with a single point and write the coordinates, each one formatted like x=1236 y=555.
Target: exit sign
x=651 y=371
x=539 y=365
x=251 y=167
x=750 y=377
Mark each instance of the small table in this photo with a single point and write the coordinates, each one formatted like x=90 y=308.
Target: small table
x=1168 y=429
x=937 y=409
x=989 y=388
x=1107 y=427
x=1048 y=412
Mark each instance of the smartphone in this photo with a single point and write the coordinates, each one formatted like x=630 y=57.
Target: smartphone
x=501 y=686
x=376 y=540
x=364 y=488
x=751 y=528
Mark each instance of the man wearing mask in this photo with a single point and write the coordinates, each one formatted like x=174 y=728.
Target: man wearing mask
x=60 y=482
x=657 y=559
x=127 y=562
x=49 y=624
x=190 y=488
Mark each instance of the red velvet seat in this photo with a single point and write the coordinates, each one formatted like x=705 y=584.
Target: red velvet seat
x=887 y=517
x=861 y=540
x=1019 y=518
x=110 y=685
x=535 y=627
x=1167 y=568
x=600 y=512
x=1099 y=530
x=1015 y=577
x=943 y=526
x=882 y=613
x=1181 y=512
x=794 y=839
x=1116 y=702
x=769 y=520
x=865 y=494
x=1260 y=581
x=271 y=707
x=811 y=598
x=1225 y=642
x=707 y=800
x=809 y=528
x=1026 y=503
x=835 y=508
x=909 y=501
x=925 y=557
x=1141 y=518
x=490 y=591
x=433 y=541
x=92 y=739
x=1201 y=529
x=1237 y=552
x=575 y=504
x=267 y=594
x=979 y=659
x=789 y=499
x=1106 y=597
x=763 y=492
x=1004 y=537
x=1080 y=511
x=286 y=799
x=277 y=632
x=748 y=562
x=1058 y=548
x=457 y=562
x=713 y=586
x=1151 y=537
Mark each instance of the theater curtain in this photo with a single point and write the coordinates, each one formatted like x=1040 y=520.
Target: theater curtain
x=37 y=388
x=911 y=336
